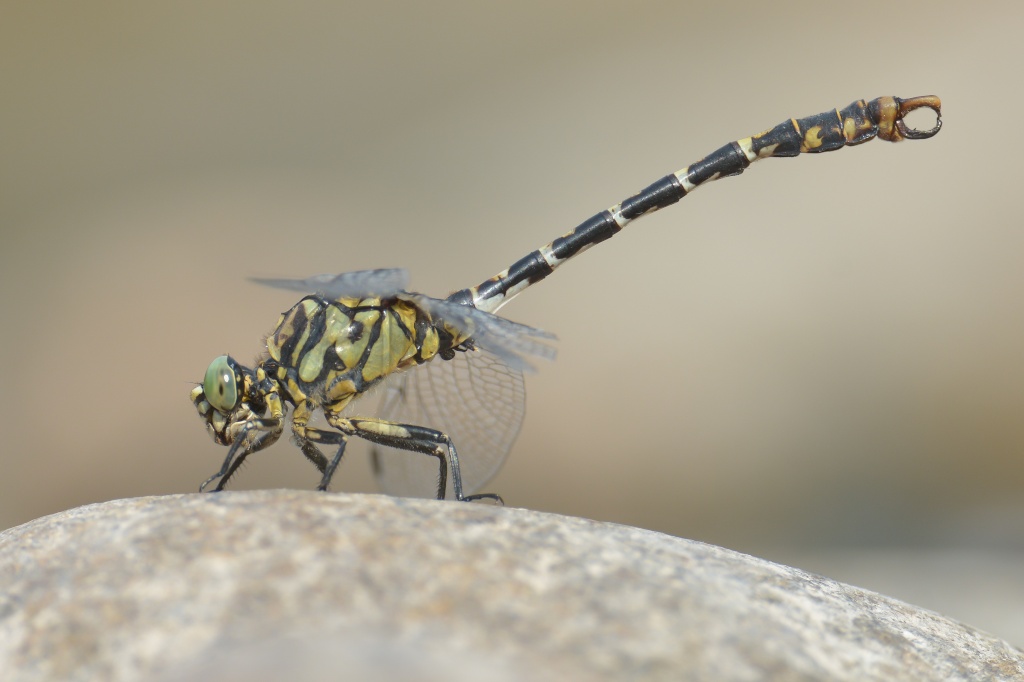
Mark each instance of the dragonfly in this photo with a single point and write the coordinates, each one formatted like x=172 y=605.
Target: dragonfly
x=451 y=369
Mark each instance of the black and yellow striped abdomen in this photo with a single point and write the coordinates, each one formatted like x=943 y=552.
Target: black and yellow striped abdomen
x=328 y=351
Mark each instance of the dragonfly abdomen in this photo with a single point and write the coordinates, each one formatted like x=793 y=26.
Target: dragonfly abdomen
x=855 y=124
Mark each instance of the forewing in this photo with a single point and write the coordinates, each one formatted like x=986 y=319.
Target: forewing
x=475 y=398
x=358 y=284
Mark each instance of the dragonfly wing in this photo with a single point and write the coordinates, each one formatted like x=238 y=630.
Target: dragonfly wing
x=358 y=284
x=510 y=341
x=475 y=398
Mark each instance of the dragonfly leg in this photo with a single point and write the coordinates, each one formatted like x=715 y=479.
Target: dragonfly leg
x=329 y=471
x=307 y=440
x=308 y=437
x=244 y=445
x=412 y=438
x=416 y=439
x=313 y=454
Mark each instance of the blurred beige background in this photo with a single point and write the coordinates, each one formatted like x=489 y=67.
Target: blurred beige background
x=819 y=362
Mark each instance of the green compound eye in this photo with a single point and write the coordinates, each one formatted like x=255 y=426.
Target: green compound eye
x=220 y=384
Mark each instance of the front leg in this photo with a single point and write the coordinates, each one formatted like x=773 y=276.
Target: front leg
x=243 y=431
x=245 y=443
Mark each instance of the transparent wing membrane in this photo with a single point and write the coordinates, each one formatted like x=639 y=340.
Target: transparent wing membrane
x=510 y=341
x=359 y=284
x=475 y=398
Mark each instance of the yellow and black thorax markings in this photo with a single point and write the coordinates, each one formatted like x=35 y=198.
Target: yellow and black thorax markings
x=332 y=350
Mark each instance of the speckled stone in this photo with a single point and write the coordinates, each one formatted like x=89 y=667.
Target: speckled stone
x=289 y=584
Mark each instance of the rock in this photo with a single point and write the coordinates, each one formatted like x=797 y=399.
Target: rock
x=295 y=585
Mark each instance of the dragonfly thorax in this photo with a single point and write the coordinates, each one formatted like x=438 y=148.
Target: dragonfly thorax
x=329 y=351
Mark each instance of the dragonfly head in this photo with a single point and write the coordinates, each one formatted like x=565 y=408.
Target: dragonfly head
x=225 y=399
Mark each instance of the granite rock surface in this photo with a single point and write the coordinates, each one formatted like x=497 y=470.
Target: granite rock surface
x=297 y=585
